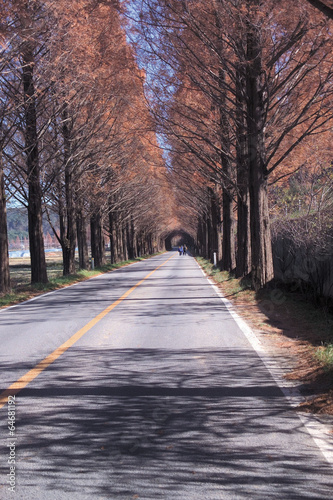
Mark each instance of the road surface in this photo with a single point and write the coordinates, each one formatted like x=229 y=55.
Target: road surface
x=157 y=394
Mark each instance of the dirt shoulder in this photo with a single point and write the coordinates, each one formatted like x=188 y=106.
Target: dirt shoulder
x=293 y=330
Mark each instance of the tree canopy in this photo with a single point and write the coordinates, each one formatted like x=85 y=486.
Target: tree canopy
x=128 y=121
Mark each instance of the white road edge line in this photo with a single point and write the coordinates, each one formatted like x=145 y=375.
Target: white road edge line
x=320 y=432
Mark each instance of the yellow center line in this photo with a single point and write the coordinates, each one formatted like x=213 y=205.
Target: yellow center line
x=42 y=365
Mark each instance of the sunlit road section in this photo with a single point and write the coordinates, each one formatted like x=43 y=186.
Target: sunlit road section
x=161 y=396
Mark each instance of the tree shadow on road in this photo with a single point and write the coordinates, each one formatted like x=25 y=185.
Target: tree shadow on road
x=162 y=424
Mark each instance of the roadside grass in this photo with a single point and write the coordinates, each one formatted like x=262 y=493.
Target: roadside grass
x=232 y=287
x=23 y=290
x=277 y=302
x=284 y=312
x=324 y=354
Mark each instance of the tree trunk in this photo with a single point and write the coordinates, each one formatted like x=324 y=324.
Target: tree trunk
x=113 y=239
x=70 y=239
x=120 y=247
x=243 y=266
x=243 y=261
x=134 y=239
x=150 y=244
x=138 y=246
x=204 y=237
x=215 y=231
x=261 y=246
x=36 y=239
x=97 y=240
x=82 y=240
x=124 y=239
x=207 y=237
x=228 y=262
x=325 y=9
x=4 y=257
x=228 y=221
x=201 y=236
x=228 y=232
x=130 y=245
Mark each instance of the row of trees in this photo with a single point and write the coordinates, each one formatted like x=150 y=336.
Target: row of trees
x=242 y=88
x=239 y=90
x=76 y=136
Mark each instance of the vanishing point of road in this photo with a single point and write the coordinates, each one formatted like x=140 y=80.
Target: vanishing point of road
x=140 y=384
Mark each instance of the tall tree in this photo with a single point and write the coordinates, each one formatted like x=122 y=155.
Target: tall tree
x=5 y=133
x=4 y=257
x=261 y=247
x=35 y=213
x=270 y=113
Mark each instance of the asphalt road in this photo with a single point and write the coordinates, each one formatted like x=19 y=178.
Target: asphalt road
x=163 y=397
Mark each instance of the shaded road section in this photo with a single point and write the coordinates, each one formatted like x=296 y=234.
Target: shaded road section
x=164 y=398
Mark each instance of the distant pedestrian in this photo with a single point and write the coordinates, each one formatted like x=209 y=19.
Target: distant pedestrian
x=184 y=250
x=179 y=250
